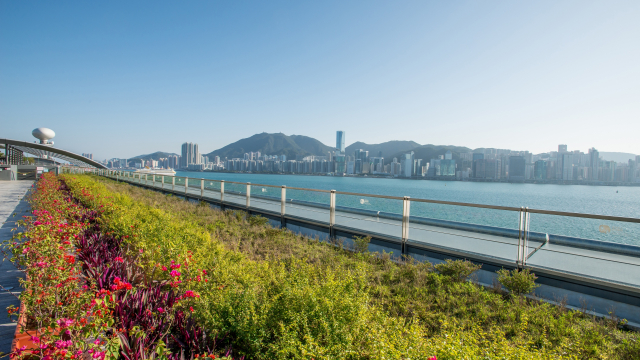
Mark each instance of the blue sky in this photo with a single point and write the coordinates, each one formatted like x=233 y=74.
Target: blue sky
x=120 y=79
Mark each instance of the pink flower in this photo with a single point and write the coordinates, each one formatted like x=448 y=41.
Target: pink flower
x=175 y=273
x=35 y=339
x=164 y=268
x=160 y=310
x=65 y=322
x=61 y=344
x=119 y=259
x=190 y=293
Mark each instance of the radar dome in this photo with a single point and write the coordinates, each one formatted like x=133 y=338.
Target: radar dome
x=43 y=134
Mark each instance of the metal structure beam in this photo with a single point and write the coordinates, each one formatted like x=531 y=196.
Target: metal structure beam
x=48 y=151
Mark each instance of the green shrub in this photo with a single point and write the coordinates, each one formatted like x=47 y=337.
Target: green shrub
x=361 y=243
x=458 y=270
x=518 y=282
x=273 y=294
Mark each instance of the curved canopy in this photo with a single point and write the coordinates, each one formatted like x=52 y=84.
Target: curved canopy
x=41 y=150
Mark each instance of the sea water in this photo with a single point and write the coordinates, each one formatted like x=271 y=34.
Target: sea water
x=621 y=201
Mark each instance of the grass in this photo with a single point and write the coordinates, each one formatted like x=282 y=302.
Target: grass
x=277 y=275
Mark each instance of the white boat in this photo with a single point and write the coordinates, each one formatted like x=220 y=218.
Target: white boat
x=147 y=171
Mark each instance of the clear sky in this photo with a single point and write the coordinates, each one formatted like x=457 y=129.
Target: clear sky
x=123 y=78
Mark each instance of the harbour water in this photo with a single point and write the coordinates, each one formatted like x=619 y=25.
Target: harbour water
x=602 y=200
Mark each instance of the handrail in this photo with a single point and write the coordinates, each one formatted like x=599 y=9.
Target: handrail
x=453 y=203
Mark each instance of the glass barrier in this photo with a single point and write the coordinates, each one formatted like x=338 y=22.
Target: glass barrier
x=594 y=248
x=266 y=198
x=312 y=205
x=485 y=232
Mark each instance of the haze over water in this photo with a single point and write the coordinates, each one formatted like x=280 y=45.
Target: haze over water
x=604 y=200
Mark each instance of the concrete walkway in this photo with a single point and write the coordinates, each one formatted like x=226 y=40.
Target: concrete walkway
x=12 y=207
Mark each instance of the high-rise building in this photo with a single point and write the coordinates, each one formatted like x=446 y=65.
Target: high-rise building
x=88 y=156
x=516 y=168
x=476 y=156
x=448 y=155
x=407 y=164
x=340 y=141
x=594 y=161
x=540 y=170
x=567 y=166
x=341 y=166
x=190 y=155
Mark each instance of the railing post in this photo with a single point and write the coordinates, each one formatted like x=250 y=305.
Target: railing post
x=332 y=214
x=201 y=188
x=173 y=183
x=406 y=213
x=186 y=185
x=221 y=193
x=146 y=179
x=520 y=231
x=162 y=179
x=283 y=202
x=248 y=195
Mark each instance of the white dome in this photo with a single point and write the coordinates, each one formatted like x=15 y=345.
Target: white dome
x=43 y=134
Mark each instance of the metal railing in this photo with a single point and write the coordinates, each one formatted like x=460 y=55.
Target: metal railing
x=524 y=242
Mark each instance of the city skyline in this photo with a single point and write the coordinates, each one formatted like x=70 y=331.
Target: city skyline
x=505 y=75
x=495 y=165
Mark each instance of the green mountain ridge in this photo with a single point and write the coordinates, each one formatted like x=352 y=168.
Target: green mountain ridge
x=273 y=144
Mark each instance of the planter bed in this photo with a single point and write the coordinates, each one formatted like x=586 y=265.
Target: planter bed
x=148 y=276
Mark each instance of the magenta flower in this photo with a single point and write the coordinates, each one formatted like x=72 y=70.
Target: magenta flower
x=175 y=273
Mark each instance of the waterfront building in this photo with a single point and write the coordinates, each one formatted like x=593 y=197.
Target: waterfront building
x=567 y=166
x=340 y=142
x=447 y=166
x=407 y=165
x=476 y=157
x=594 y=161
x=540 y=170
x=190 y=155
x=516 y=168
x=448 y=155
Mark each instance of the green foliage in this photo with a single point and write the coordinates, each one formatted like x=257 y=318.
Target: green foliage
x=273 y=294
x=518 y=282
x=458 y=270
x=361 y=243
x=258 y=220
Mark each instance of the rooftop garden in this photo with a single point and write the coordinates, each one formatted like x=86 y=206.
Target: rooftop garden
x=119 y=272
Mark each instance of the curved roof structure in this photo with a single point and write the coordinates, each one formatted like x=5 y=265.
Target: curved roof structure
x=49 y=151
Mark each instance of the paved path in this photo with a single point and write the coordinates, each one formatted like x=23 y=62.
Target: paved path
x=12 y=202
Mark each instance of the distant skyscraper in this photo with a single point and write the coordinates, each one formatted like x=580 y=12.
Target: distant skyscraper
x=476 y=156
x=516 y=167
x=562 y=148
x=340 y=141
x=448 y=155
x=594 y=161
x=190 y=155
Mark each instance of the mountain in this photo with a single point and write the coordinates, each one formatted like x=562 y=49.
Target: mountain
x=273 y=144
x=155 y=156
x=617 y=156
x=388 y=148
x=428 y=152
